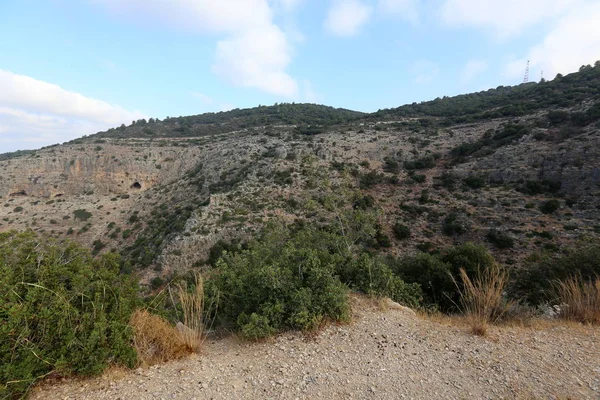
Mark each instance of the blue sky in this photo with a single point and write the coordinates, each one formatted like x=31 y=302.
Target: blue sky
x=70 y=68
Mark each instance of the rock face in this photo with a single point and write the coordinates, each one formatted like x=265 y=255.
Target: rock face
x=82 y=169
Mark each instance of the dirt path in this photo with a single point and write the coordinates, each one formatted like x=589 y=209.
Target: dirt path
x=382 y=355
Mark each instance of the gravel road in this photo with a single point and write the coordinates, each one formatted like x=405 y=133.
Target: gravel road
x=389 y=354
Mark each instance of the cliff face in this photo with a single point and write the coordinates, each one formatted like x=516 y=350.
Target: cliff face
x=83 y=169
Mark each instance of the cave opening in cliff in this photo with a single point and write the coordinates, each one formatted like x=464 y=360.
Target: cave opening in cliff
x=136 y=185
x=19 y=193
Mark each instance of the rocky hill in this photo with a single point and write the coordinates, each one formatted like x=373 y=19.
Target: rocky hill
x=514 y=168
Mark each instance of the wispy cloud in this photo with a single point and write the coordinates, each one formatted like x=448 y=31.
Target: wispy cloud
x=346 y=17
x=253 y=51
x=404 y=9
x=572 y=41
x=34 y=111
x=504 y=17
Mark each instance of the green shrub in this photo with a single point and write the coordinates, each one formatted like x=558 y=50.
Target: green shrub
x=535 y=283
x=436 y=274
x=453 y=226
x=18 y=209
x=375 y=278
x=60 y=311
x=82 y=215
x=550 y=206
x=296 y=279
x=401 y=231
x=475 y=182
x=500 y=239
x=280 y=282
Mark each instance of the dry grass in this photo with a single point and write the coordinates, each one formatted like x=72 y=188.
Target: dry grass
x=581 y=299
x=481 y=298
x=155 y=340
x=192 y=305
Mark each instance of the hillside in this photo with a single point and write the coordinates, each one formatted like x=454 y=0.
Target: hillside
x=267 y=220
x=451 y=170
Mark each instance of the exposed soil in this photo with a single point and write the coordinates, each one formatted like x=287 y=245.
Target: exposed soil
x=383 y=354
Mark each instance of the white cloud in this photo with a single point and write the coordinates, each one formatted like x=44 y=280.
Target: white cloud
x=23 y=92
x=41 y=113
x=425 y=72
x=472 y=69
x=243 y=58
x=505 y=17
x=289 y=5
x=405 y=9
x=257 y=59
x=573 y=41
x=346 y=17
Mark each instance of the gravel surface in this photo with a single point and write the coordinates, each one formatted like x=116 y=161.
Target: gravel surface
x=390 y=354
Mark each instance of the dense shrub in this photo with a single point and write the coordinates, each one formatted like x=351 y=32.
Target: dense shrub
x=436 y=274
x=500 y=239
x=280 y=282
x=370 y=179
x=550 y=206
x=82 y=215
x=475 y=182
x=61 y=311
x=540 y=187
x=297 y=279
x=425 y=162
x=535 y=283
x=401 y=231
x=453 y=225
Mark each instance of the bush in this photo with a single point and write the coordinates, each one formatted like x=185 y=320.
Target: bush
x=550 y=206
x=281 y=282
x=401 y=231
x=475 y=182
x=436 y=274
x=298 y=279
x=453 y=226
x=375 y=278
x=61 y=311
x=535 y=283
x=500 y=239
x=82 y=215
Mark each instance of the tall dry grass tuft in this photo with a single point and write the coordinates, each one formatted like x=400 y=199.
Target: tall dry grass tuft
x=192 y=305
x=481 y=298
x=581 y=299
x=155 y=340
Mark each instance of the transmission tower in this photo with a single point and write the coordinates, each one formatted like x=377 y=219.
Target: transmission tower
x=526 y=78
x=542 y=76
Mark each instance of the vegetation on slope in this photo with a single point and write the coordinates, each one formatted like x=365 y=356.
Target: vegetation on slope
x=303 y=115
x=61 y=312
x=562 y=92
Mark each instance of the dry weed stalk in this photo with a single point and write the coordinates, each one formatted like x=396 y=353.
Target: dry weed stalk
x=581 y=299
x=192 y=305
x=481 y=298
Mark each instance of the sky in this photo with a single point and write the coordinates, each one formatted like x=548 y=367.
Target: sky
x=70 y=68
